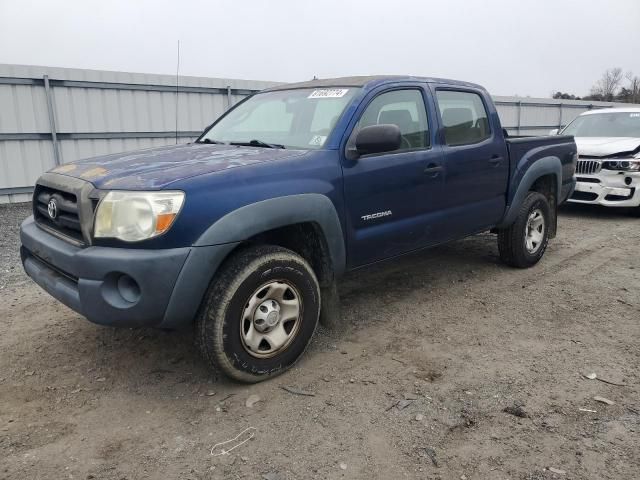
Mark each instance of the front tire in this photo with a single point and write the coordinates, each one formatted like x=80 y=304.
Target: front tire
x=523 y=244
x=259 y=314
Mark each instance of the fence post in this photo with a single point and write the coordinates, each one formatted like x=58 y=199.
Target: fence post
x=560 y=117
x=52 y=121
x=519 y=116
x=229 y=105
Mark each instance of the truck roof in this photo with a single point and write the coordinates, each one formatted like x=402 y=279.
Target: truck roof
x=367 y=82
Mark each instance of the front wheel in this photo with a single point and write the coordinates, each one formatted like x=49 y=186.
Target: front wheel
x=523 y=244
x=259 y=314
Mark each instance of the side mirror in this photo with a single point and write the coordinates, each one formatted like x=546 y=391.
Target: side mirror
x=555 y=131
x=378 y=139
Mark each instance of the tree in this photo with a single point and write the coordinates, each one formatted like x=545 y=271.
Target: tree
x=607 y=87
x=632 y=88
x=565 y=96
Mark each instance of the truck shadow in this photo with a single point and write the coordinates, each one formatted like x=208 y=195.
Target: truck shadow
x=446 y=266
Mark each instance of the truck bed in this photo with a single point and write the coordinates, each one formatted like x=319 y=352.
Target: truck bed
x=537 y=147
x=523 y=151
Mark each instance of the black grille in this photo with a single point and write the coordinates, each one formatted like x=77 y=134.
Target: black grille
x=587 y=196
x=588 y=167
x=64 y=218
x=619 y=198
x=587 y=180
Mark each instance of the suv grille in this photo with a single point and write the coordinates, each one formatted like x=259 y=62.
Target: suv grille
x=588 y=167
x=58 y=211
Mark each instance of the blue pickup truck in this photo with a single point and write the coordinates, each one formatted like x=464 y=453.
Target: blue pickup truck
x=245 y=231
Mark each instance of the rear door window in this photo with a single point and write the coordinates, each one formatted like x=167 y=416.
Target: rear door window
x=464 y=117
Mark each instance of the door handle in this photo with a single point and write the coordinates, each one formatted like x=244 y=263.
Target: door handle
x=495 y=160
x=433 y=170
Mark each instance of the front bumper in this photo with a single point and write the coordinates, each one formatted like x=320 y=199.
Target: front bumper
x=118 y=286
x=609 y=188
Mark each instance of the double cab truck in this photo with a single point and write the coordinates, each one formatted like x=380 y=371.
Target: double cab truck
x=608 y=169
x=245 y=231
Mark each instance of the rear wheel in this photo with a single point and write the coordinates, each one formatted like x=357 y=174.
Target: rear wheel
x=523 y=244
x=259 y=314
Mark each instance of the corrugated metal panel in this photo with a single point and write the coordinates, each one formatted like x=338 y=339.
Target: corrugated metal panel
x=122 y=104
x=536 y=116
x=23 y=161
x=139 y=103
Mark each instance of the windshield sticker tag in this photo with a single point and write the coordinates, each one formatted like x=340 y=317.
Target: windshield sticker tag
x=633 y=115
x=329 y=93
x=317 y=140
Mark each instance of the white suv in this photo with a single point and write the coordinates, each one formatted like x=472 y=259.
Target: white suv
x=608 y=169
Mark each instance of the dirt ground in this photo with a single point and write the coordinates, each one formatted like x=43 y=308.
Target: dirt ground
x=435 y=347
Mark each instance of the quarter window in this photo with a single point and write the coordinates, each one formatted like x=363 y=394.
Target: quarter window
x=404 y=108
x=464 y=117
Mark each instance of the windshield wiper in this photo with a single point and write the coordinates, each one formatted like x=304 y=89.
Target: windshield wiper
x=208 y=140
x=258 y=143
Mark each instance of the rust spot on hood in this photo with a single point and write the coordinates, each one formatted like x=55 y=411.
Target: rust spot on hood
x=64 y=168
x=93 y=173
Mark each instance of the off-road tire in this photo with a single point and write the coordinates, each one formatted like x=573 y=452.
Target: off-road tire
x=511 y=240
x=217 y=327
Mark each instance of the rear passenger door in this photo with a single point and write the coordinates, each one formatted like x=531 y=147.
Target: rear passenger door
x=475 y=159
x=390 y=196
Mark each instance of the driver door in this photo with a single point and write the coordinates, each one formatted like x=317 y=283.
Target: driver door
x=391 y=196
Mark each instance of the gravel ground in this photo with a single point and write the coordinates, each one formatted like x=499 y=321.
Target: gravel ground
x=11 y=216
x=449 y=366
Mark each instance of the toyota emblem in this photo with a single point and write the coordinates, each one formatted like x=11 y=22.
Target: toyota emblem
x=52 y=209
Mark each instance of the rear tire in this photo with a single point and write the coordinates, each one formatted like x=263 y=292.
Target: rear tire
x=523 y=244
x=259 y=314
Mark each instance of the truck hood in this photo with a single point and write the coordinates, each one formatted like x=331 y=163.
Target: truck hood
x=155 y=168
x=606 y=146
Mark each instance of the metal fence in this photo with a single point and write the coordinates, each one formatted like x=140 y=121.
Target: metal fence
x=49 y=116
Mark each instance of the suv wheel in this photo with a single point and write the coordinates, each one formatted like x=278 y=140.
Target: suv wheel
x=523 y=244
x=259 y=314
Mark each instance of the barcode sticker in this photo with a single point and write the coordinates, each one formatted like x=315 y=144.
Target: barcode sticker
x=329 y=93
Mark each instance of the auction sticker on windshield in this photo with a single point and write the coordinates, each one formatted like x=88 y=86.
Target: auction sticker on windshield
x=329 y=93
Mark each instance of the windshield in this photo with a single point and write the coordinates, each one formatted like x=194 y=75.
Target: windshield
x=289 y=118
x=618 y=124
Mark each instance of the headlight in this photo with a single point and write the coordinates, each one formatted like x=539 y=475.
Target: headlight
x=135 y=216
x=625 y=165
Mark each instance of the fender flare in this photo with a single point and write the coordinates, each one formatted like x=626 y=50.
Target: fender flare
x=259 y=217
x=540 y=168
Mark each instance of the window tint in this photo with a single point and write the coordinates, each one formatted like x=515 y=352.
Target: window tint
x=464 y=117
x=404 y=108
x=326 y=115
x=271 y=113
x=299 y=118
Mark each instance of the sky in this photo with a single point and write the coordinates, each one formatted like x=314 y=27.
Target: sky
x=512 y=47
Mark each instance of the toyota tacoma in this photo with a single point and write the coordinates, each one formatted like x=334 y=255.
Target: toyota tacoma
x=245 y=231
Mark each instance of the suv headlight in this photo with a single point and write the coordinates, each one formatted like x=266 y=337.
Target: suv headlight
x=624 y=165
x=135 y=216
